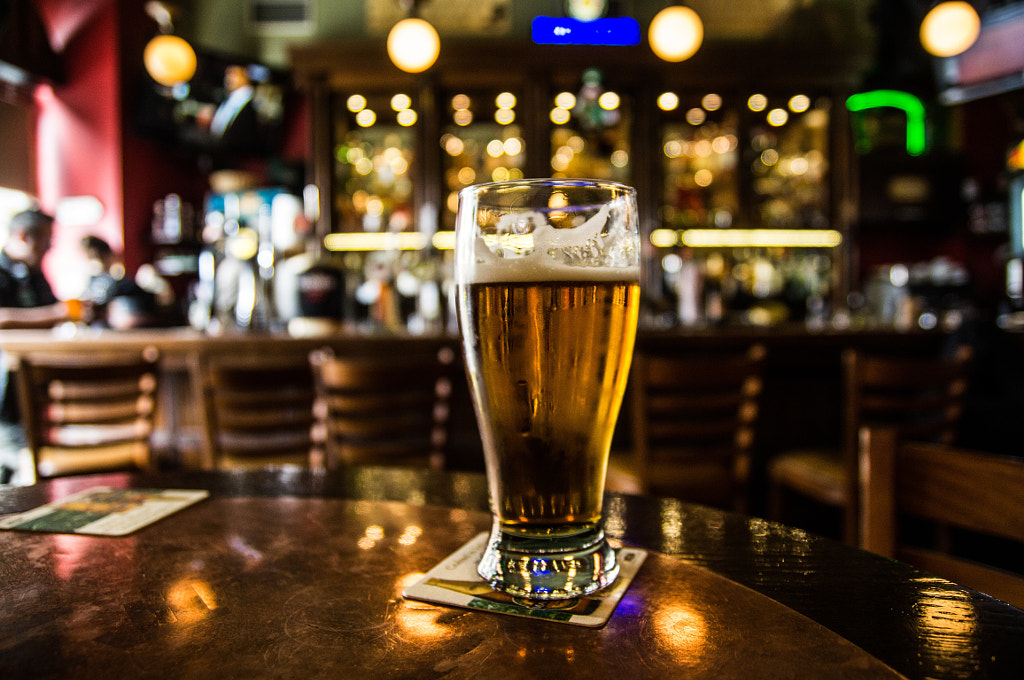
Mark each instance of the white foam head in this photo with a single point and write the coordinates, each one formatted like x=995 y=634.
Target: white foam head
x=522 y=246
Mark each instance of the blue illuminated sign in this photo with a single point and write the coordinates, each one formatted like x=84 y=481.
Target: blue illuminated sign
x=566 y=31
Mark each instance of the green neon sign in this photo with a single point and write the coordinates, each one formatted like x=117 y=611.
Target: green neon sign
x=908 y=103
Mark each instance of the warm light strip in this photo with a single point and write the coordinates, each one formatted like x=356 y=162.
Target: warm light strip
x=444 y=240
x=752 y=238
x=406 y=240
x=663 y=238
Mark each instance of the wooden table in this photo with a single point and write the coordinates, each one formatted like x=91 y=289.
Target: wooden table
x=271 y=577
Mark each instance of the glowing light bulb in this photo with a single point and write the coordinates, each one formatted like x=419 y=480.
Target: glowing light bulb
x=676 y=33
x=950 y=28
x=413 y=45
x=169 y=60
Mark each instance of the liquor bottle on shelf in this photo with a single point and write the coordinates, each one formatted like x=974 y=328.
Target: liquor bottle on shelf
x=309 y=288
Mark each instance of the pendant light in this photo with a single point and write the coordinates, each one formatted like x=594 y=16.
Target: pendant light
x=676 y=33
x=950 y=28
x=413 y=44
x=169 y=59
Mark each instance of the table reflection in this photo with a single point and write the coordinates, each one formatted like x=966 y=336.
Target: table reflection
x=682 y=631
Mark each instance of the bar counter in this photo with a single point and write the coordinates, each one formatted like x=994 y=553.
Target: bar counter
x=177 y=342
x=802 y=374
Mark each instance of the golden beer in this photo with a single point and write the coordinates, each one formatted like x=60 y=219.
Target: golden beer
x=546 y=275
x=548 y=363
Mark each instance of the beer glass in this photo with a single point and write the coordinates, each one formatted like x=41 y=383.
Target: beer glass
x=547 y=278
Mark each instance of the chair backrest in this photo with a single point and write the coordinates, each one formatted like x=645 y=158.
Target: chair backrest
x=257 y=410
x=953 y=488
x=88 y=413
x=391 y=410
x=921 y=396
x=693 y=422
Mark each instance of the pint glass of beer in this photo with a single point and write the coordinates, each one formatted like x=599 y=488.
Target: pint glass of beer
x=547 y=277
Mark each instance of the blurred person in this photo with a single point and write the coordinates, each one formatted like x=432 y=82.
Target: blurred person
x=26 y=298
x=117 y=301
x=106 y=274
x=26 y=301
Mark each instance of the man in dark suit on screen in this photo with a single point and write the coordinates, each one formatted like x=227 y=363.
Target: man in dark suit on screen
x=235 y=124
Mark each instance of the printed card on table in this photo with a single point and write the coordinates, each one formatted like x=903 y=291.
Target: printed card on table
x=455 y=582
x=103 y=511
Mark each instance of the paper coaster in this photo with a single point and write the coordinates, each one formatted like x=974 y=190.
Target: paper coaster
x=454 y=582
x=102 y=511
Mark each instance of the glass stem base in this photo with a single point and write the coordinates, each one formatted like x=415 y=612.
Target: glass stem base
x=548 y=567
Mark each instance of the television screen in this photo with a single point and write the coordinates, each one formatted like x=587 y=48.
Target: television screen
x=232 y=107
x=992 y=65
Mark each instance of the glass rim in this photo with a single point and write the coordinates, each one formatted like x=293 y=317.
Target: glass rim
x=556 y=182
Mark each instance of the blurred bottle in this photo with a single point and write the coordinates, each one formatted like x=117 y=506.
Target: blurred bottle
x=172 y=220
x=309 y=288
x=714 y=289
x=200 y=310
x=690 y=291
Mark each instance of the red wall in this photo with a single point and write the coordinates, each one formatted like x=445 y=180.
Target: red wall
x=86 y=142
x=78 y=129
